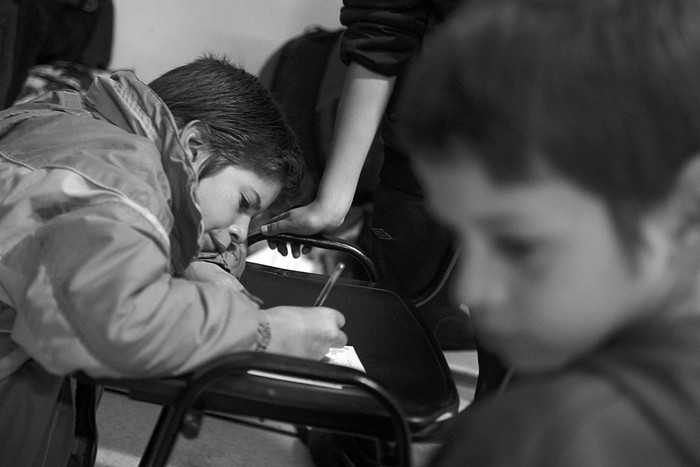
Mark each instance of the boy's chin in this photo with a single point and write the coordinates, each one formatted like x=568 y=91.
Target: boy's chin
x=538 y=365
x=524 y=360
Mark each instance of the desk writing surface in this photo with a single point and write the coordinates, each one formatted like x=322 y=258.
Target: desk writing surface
x=391 y=342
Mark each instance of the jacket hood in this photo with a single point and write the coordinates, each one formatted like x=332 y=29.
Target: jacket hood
x=130 y=104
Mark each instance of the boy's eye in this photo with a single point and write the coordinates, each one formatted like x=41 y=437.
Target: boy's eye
x=514 y=247
x=244 y=203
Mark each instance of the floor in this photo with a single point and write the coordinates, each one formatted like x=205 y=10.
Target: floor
x=124 y=426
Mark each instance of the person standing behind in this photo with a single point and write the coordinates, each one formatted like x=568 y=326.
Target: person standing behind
x=560 y=140
x=412 y=251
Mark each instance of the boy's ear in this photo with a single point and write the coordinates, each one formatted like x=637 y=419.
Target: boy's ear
x=682 y=207
x=657 y=245
x=191 y=139
x=671 y=232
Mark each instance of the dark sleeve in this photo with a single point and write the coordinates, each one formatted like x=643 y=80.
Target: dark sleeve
x=382 y=35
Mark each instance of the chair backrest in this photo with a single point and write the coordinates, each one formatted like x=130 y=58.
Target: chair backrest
x=427 y=391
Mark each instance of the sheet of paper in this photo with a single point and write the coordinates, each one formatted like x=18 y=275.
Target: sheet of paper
x=344 y=356
x=294 y=379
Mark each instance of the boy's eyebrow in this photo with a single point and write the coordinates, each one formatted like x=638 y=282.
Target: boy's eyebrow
x=507 y=220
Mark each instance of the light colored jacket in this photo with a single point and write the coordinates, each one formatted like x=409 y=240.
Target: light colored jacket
x=97 y=219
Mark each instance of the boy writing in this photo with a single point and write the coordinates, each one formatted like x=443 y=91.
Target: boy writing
x=106 y=200
x=560 y=140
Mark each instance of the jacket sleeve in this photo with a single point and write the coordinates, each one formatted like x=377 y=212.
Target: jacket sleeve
x=101 y=299
x=382 y=35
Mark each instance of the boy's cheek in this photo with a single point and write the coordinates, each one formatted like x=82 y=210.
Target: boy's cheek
x=533 y=334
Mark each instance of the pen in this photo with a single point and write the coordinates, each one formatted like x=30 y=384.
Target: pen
x=329 y=285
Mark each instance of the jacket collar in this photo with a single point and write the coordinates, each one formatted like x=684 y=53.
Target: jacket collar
x=130 y=104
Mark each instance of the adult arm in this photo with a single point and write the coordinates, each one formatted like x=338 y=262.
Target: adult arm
x=380 y=39
x=362 y=104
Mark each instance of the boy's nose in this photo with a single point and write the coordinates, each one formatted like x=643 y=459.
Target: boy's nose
x=481 y=282
x=239 y=230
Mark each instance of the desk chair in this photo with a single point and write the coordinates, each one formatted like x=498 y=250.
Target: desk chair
x=406 y=391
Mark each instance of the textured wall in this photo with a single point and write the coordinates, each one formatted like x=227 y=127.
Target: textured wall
x=155 y=35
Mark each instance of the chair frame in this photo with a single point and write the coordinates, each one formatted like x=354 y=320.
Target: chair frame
x=185 y=399
x=183 y=416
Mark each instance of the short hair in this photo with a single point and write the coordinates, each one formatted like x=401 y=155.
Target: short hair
x=605 y=92
x=241 y=123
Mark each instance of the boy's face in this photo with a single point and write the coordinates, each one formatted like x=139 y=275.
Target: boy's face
x=541 y=269
x=228 y=200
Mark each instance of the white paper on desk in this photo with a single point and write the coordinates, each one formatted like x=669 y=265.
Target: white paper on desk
x=295 y=379
x=344 y=356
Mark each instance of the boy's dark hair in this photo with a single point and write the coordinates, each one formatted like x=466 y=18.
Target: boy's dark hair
x=606 y=92
x=239 y=121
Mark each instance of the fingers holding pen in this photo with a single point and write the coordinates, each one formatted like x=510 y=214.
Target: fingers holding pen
x=307 y=332
x=335 y=337
x=340 y=318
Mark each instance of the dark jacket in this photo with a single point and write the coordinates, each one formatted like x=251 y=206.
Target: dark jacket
x=383 y=36
x=634 y=402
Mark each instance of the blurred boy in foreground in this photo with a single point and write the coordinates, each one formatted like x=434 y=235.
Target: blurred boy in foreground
x=560 y=139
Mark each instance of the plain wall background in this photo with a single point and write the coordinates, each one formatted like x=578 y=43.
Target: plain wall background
x=153 y=36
